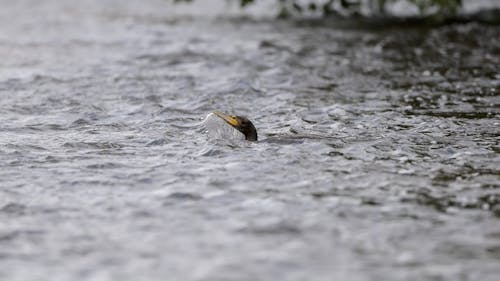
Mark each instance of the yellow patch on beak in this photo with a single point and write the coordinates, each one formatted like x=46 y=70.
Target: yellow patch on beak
x=228 y=118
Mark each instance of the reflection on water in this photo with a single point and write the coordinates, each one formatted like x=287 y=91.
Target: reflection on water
x=378 y=156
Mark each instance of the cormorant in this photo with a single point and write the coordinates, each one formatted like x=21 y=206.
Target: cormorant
x=240 y=128
x=241 y=124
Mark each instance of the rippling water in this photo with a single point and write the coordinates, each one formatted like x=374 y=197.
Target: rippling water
x=378 y=156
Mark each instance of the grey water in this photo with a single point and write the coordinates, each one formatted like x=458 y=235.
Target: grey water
x=378 y=152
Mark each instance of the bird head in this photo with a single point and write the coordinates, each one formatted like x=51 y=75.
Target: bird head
x=241 y=124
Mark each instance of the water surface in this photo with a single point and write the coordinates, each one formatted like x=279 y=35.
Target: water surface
x=377 y=160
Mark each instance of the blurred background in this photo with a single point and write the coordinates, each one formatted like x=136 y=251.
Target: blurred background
x=377 y=156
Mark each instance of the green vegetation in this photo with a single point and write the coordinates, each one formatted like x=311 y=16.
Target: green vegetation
x=353 y=7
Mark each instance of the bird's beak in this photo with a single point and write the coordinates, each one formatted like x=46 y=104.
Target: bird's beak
x=228 y=118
